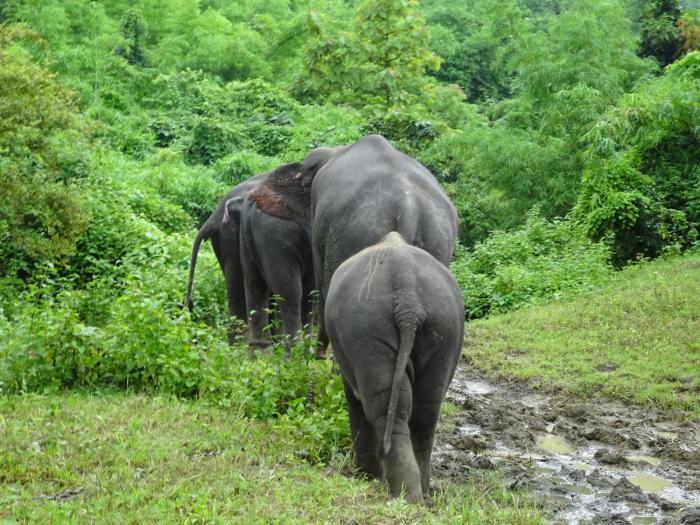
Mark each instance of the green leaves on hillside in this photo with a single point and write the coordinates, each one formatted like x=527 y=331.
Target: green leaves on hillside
x=40 y=215
x=535 y=263
x=381 y=62
x=641 y=185
x=475 y=41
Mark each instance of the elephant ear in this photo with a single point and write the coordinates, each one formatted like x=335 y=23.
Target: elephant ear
x=292 y=170
x=285 y=194
x=232 y=210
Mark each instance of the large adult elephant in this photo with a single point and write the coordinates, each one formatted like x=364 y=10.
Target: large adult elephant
x=362 y=192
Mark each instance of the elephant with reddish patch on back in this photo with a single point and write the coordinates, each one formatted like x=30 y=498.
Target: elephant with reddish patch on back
x=275 y=245
x=275 y=248
x=395 y=318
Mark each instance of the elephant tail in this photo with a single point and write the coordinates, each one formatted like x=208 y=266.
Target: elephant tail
x=408 y=315
x=204 y=233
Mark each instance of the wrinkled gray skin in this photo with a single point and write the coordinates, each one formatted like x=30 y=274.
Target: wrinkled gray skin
x=224 y=242
x=395 y=319
x=275 y=247
x=364 y=191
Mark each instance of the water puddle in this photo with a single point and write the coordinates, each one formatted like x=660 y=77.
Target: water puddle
x=553 y=443
x=667 y=435
x=649 y=482
x=586 y=462
x=468 y=430
x=644 y=459
x=644 y=520
x=477 y=388
x=576 y=489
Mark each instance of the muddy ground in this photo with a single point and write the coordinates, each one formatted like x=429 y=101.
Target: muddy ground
x=586 y=462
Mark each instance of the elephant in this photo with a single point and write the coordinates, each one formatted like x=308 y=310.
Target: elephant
x=362 y=192
x=395 y=319
x=275 y=250
x=275 y=245
x=224 y=242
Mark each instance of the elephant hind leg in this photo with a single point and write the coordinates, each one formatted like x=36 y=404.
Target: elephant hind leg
x=428 y=393
x=422 y=426
x=235 y=294
x=307 y=302
x=364 y=438
x=290 y=293
x=400 y=467
x=257 y=296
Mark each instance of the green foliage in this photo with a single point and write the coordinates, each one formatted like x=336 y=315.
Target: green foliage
x=538 y=262
x=40 y=214
x=565 y=78
x=642 y=182
x=661 y=36
x=209 y=142
x=144 y=344
x=323 y=125
x=210 y=120
x=689 y=27
x=241 y=165
x=380 y=63
x=475 y=42
x=133 y=29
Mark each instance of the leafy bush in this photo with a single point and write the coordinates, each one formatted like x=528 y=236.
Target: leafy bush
x=241 y=165
x=540 y=261
x=40 y=214
x=210 y=141
x=323 y=125
x=257 y=98
x=641 y=185
x=410 y=131
x=167 y=216
x=145 y=344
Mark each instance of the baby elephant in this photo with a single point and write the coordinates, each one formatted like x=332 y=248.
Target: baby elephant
x=395 y=319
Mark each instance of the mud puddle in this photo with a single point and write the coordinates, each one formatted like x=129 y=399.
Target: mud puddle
x=585 y=462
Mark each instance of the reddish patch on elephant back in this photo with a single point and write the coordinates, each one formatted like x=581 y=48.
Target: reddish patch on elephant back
x=271 y=202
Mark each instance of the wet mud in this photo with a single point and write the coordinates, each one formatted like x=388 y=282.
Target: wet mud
x=585 y=462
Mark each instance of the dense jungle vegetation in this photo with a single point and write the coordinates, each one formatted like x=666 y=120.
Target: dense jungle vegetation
x=567 y=133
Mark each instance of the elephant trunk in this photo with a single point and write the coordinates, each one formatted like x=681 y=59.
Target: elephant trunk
x=203 y=233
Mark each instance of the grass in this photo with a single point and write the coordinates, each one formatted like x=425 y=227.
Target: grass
x=637 y=340
x=127 y=458
x=110 y=457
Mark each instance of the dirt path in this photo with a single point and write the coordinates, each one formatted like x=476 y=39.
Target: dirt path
x=589 y=462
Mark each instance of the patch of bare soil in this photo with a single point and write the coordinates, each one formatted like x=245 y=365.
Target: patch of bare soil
x=588 y=462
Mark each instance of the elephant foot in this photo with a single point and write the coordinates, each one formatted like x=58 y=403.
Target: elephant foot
x=402 y=473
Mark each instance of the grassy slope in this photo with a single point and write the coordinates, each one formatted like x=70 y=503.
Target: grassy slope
x=126 y=458
x=636 y=340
